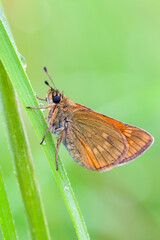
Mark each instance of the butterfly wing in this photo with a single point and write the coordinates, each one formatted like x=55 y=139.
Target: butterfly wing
x=138 y=139
x=94 y=142
x=101 y=143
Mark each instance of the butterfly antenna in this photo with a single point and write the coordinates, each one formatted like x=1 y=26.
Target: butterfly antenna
x=47 y=83
x=45 y=69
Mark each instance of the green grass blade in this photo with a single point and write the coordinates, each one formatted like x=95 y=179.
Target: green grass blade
x=6 y=218
x=22 y=159
x=18 y=77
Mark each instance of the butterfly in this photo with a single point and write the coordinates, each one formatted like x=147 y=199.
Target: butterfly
x=94 y=140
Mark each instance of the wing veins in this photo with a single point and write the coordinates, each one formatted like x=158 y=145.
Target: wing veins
x=85 y=148
x=110 y=143
x=137 y=143
x=96 y=147
x=140 y=138
x=105 y=126
x=118 y=159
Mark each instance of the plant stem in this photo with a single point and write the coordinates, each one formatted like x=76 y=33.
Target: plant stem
x=18 y=77
x=6 y=218
x=22 y=159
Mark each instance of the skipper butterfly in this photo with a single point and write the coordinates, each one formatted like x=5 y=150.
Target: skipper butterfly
x=95 y=141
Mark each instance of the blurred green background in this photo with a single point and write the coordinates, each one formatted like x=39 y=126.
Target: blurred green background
x=104 y=55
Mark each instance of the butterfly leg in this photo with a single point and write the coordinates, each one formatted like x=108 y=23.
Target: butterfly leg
x=46 y=134
x=51 y=124
x=45 y=100
x=61 y=137
x=49 y=106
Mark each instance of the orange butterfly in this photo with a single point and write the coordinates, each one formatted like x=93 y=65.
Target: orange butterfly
x=95 y=141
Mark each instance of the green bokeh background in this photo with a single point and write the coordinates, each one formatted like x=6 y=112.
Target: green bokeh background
x=105 y=55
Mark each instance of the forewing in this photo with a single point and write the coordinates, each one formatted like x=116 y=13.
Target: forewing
x=138 y=139
x=94 y=142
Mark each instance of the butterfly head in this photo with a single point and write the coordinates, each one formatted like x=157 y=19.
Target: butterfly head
x=54 y=96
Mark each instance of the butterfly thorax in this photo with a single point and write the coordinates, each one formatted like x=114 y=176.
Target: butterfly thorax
x=63 y=111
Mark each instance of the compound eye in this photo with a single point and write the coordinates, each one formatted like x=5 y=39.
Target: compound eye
x=56 y=99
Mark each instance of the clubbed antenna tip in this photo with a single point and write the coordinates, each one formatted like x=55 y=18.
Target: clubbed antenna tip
x=46 y=82
x=45 y=69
